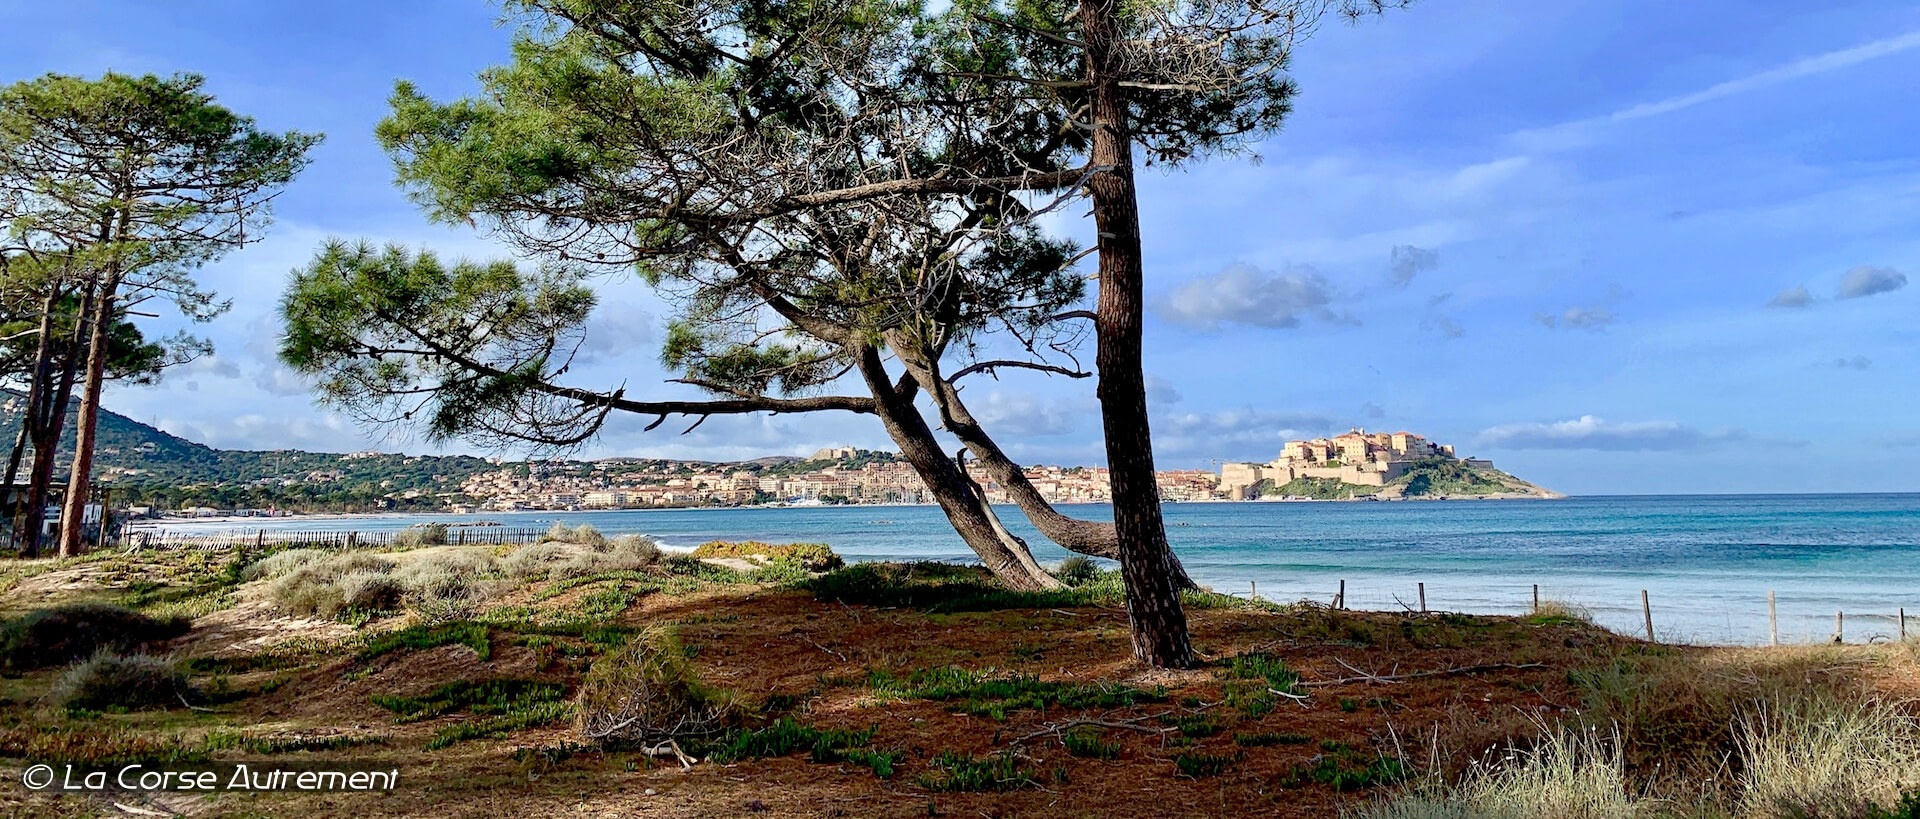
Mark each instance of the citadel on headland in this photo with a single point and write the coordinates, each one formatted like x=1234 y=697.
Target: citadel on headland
x=1357 y=458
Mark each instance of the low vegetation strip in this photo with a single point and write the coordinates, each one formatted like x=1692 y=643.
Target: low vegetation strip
x=995 y=695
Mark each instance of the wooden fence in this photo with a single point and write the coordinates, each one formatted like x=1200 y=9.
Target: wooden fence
x=160 y=537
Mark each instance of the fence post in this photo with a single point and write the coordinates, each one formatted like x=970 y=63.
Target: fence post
x=1839 y=627
x=1903 y=624
x=1340 y=600
x=1536 y=598
x=1253 y=590
x=1773 y=621
x=1423 y=598
x=353 y=538
x=1646 y=610
x=260 y=539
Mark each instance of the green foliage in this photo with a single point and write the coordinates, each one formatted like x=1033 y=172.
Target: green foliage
x=67 y=634
x=482 y=697
x=1441 y=475
x=507 y=722
x=1324 y=489
x=960 y=773
x=936 y=587
x=425 y=636
x=812 y=557
x=1077 y=570
x=1088 y=743
x=1345 y=769
x=1260 y=665
x=1268 y=738
x=988 y=694
x=786 y=736
x=116 y=682
x=1198 y=765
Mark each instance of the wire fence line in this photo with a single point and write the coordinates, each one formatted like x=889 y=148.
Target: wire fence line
x=161 y=538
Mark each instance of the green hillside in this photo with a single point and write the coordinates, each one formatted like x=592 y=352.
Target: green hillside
x=145 y=463
x=1429 y=478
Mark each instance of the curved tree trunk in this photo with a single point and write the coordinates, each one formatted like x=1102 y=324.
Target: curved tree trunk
x=1006 y=556
x=1086 y=537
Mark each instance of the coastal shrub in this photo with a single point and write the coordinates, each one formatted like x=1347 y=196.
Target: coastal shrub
x=533 y=560
x=280 y=563
x=421 y=534
x=313 y=587
x=446 y=595
x=582 y=535
x=647 y=693
x=1078 y=570
x=812 y=557
x=70 y=633
x=369 y=591
x=122 y=682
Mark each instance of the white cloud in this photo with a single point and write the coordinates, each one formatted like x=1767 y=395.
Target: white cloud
x=1243 y=294
x=1866 y=281
x=1591 y=432
x=1792 y=297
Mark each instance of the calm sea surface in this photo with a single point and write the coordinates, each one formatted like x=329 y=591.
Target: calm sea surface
x=1707 y=561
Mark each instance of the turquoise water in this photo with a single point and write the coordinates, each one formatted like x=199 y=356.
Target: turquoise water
x=1707 y=562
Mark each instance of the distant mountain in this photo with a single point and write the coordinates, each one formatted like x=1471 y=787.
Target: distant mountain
x=131 y=453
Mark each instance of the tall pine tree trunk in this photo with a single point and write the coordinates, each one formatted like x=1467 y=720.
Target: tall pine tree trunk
x=37 y=386
x=73 y=511
x=1146 y=561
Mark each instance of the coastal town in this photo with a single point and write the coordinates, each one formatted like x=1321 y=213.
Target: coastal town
x=846 y=475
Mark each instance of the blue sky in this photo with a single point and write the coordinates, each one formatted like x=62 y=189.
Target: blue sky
x=1616 y=247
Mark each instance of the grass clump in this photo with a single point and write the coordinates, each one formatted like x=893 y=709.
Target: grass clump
x=123 y=682
x=537 y=714
x=988 y=694
x=647 y=693
x=430 y=635
x=1077 y=570
x=812 y=557
x=938 y=587
x=960 y=773
x=269 y=744
x=1268 y=738
x=307 y=585
x=786 y=736
x=1199 y=765
x=1556 y=613
x=71 y=633
x=482 y=697
x=1815 y=756
x=1090 y=744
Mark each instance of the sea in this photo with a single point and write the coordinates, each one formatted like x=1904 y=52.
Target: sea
x=1705 y=562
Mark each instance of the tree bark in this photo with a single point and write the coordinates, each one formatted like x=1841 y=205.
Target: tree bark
x=73 y=511
x=1006 y=556
x=1075 y=535
x=37 y=387
x=1146 y=561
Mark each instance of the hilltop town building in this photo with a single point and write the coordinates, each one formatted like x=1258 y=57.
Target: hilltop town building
x=1358 y=457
